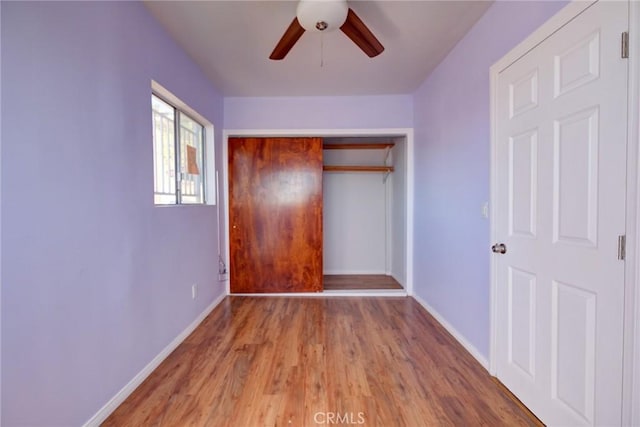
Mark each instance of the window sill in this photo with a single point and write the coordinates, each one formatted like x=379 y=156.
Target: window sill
x=184 y=205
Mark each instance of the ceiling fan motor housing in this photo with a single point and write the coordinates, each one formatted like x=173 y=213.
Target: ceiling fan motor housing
x=322 y=15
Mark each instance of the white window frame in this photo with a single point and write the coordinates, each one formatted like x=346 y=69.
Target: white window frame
x=210 y=193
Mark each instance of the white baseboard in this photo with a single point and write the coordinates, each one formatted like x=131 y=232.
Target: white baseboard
x=120 y=397
x=457 y=335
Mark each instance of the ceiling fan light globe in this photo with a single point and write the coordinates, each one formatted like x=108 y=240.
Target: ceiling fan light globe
x=332 y=12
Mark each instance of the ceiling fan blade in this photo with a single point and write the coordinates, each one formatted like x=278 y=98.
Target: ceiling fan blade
x=288 y=39
x=355 y=29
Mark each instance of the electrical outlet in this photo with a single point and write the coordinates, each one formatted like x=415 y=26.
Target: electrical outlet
x=194 y=291
x=223 y=276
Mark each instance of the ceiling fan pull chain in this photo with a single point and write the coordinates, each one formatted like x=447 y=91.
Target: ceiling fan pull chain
x=321 y=50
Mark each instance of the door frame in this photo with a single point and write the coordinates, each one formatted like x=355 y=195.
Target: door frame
x=631 y=332
x=406 y=133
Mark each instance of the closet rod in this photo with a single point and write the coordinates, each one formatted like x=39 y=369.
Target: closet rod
x=335 y=168
x=371 y=146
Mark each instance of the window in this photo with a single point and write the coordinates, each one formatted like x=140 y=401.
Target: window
x=178 y=155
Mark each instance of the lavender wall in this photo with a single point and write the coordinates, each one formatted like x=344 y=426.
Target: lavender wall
x=337 y=112
x=451 y=119
x=96 y=281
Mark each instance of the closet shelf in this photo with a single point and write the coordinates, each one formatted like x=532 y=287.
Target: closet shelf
x=379 y=146
x=335 y=168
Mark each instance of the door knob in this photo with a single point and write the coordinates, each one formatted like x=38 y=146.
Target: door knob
x=499 y=248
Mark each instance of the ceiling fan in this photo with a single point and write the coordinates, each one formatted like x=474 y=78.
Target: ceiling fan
x=327 y=15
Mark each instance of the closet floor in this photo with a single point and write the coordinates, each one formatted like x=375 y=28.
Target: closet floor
x=340 y=282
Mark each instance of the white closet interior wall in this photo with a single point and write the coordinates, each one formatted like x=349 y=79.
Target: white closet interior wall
x=364 y=213
x=397 y=223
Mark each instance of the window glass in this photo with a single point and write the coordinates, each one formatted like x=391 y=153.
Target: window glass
x=187 y=156
x=191 y=160
x=164 y=157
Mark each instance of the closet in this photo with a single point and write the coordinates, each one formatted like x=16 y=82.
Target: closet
x=307 y=214
x=363 y=207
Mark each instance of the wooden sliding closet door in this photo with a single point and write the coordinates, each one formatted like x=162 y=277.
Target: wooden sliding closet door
x=275 y=214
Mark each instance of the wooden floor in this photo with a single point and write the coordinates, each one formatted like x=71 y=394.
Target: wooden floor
x=261 y=361
x=335 y=282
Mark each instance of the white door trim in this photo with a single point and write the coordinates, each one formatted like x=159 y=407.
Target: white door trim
x=631 y=351
x=407 y=133
x=631 y=367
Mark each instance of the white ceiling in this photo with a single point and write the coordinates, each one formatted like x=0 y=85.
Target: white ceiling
x=232 y=40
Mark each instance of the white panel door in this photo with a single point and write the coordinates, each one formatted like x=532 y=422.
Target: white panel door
x=561 y=164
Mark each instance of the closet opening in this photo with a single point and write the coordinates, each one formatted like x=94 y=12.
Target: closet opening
x=364 y=213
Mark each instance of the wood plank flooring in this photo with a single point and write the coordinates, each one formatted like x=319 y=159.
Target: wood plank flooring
x=272 y=361
x=334 y=282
